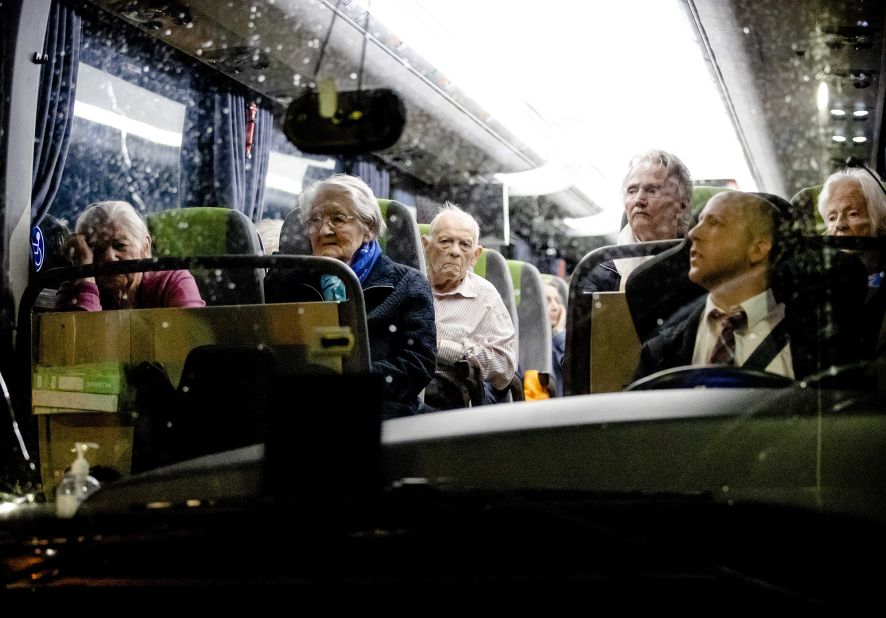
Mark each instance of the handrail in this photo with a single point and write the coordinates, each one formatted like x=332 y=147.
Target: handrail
x=351 y=313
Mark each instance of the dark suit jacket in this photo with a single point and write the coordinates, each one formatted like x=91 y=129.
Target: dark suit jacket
x=675 y=343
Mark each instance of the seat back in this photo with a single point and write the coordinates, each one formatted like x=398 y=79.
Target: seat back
x=806 y=201
x=493 y=267
x=401 y=242
x=577 y=361
x=659 y=287
x=206 y=231
x=534 y=343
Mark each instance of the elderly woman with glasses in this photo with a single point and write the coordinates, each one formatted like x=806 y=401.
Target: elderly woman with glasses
x=343 y=221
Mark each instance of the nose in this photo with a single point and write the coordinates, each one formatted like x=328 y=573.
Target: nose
x=693 y=233
x=640 y=196
x=325 y=227
x=842 y=223
x=106 y=254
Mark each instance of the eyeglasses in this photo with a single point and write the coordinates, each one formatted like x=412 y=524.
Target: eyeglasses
x=336 y=221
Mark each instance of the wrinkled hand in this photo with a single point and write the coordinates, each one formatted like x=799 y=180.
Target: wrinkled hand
x=78 y=250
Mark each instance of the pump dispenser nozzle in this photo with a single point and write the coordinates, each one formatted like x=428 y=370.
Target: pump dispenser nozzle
x=80 y=466
x=77 y=484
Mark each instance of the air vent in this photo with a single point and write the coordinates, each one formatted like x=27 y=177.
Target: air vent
x=849 y=37
x=154 y=14
x=237 y=59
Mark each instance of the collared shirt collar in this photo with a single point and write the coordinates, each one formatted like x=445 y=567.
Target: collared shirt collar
x=756 y=308
x=467 y=288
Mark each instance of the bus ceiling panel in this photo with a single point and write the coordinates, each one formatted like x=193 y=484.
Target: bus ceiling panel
x=802 y=80
x=273 y=48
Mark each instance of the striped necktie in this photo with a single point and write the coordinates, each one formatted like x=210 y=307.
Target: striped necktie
x=724 y=350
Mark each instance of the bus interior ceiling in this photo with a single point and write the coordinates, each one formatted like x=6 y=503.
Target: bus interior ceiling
x=274 y=51
x=770 y=60
x=787 y=70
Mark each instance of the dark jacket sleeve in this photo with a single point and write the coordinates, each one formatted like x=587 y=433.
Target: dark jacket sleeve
x=403 y=341
x=602 y=278
x=674 y=346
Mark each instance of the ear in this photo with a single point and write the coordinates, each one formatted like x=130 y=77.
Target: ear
x=425 y=242
x=476 y=255
x=759 y=250
x=146 y=250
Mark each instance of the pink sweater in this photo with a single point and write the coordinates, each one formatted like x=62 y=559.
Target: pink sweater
x=165 y=288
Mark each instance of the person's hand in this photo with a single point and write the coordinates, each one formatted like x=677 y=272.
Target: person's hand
x=78 y=250
x=561 y=319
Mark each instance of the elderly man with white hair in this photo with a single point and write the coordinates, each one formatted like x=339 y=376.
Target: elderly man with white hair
x=473 y=324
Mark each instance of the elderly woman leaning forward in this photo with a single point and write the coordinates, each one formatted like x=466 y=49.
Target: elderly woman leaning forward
x=111 y=232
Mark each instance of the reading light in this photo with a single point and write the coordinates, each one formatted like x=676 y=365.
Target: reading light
x=860 y=114
x=859 y=139
x=839 y=138
x=838 y=112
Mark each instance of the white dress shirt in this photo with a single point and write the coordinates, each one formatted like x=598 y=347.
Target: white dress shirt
x=474 y=325
x=625 y=266
x=764 y=314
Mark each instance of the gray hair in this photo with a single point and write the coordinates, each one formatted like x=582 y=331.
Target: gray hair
x=677 y=171
x=452 y=209
x=101 y=214
x=873 y=195
x=358 y=192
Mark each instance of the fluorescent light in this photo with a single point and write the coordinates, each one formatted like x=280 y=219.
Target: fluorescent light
x=123 y=124
x=600 y=224
x=823 y=96
x=548 y=178
x=286 y=172
x=859 y=139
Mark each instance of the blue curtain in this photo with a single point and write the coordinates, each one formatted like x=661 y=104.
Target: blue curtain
x=55 y=108
x=378 y=179
x=215 y=170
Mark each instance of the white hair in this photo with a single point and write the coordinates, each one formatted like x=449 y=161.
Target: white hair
x=362 y=199
x=452 y=209
x=874 y=197
x=101 y=214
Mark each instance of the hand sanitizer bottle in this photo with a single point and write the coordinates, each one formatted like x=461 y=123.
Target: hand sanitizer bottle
x=77 y=485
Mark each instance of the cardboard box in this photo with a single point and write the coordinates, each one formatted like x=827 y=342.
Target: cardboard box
x=59 y=432
x=165 y=336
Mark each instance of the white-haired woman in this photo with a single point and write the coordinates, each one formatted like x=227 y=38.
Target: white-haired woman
x=110 y=232
x=343 y=221
x=852 y=203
